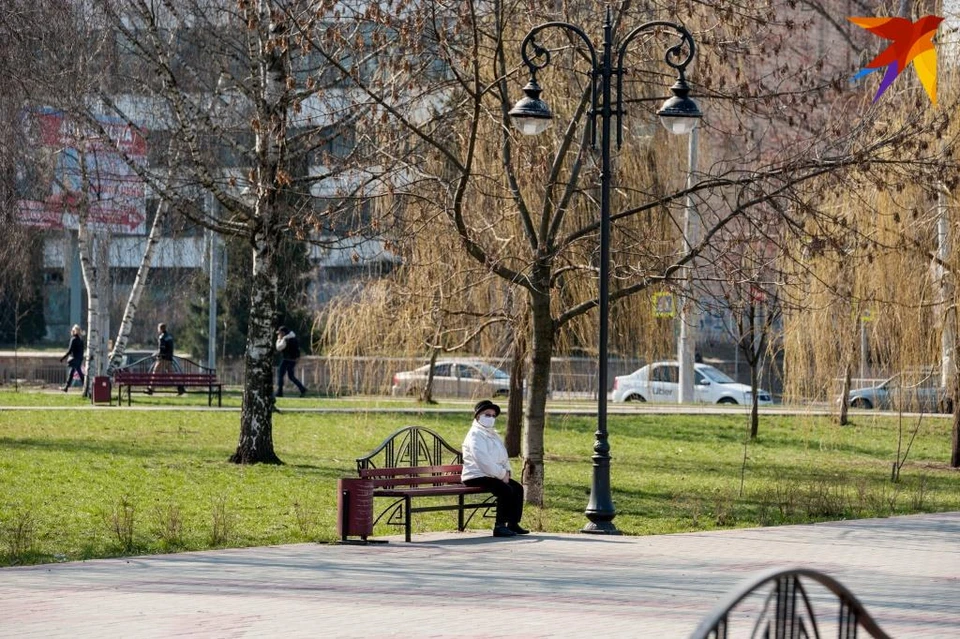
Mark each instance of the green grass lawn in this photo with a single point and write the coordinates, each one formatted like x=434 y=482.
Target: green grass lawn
x=111 y=481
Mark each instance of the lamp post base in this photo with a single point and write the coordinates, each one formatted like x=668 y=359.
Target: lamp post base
x=600 y=528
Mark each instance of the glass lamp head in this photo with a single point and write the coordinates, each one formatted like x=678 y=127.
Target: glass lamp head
x=680 y=114
x=530 y=114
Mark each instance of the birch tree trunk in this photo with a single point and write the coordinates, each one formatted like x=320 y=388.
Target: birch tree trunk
x=94 y=268
x=133 y=300
x=89 y=267
x=256 y=417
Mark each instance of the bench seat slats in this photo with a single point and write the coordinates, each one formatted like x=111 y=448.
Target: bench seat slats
x=415 y=482
x=429 y=491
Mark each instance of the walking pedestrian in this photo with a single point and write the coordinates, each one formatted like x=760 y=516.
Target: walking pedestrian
x=289 y=348
x=164 y=357
x=75 y=353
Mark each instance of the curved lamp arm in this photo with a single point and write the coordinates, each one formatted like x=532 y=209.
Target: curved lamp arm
x=539 y=52
x=672 y=57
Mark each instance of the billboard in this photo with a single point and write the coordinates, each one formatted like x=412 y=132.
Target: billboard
x=63 y=156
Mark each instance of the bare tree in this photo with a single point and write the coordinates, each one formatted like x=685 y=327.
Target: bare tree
x=262 y=127
x=525 y=211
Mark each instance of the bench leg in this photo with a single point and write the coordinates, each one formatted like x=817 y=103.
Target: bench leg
x=407 y=517
x=460 y=525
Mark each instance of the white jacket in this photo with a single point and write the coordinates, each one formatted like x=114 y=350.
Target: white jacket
x=484 y=454
x=282 y=341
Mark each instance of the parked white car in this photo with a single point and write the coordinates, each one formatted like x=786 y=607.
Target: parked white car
x=659 y=382
x=455 y=378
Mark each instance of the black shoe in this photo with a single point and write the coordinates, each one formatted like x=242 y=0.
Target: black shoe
x=148 y=391
x=518 y=529
x=66 y=389
x=181 y=392
x=303 y=393
x=279 y=395
x=503 y=531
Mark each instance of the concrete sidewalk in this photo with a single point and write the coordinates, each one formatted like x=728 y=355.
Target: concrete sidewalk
x=903 y=569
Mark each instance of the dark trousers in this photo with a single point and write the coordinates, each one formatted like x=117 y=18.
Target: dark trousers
x=166 y=366
x=509 y=498
x=286 y=369
x=75 y=369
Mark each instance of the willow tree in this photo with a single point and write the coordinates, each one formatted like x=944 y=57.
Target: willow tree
x=526 y=210
x=891 y=260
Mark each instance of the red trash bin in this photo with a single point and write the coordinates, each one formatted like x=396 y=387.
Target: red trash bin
x=354 y=508
x=101 y=390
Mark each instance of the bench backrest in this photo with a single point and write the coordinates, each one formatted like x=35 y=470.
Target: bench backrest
x=788 y=610
x=411 y=447
x=413 y=477
x=181 y=366
x=126 y=377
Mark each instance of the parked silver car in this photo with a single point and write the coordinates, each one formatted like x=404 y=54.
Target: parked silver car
x=659 y=382
x=454 y=378
x=911 y=391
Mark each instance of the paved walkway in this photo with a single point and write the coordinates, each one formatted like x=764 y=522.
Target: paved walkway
x=904 y=569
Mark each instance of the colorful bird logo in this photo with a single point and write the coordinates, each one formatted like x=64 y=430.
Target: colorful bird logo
x=912 y=42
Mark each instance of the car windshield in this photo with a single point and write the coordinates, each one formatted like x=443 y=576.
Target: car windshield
x=489 y=371
x=715 y=375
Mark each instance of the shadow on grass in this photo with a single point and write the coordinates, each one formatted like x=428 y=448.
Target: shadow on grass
x=166 y=452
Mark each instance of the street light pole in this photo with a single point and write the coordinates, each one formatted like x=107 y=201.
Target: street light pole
x=689 y=313
x=531 y=115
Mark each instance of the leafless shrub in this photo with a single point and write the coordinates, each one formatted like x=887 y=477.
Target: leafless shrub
x=919 y=494
x=19 y=534
x=168 y=525
x=121 y=520
x=223 y=522
x=825 y=498
x=305 y=519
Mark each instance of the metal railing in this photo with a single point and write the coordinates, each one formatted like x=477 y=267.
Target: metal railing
x=341 y=376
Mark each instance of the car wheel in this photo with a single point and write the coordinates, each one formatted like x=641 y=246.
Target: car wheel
x=633 y=397
x=727 y=400
x=501 y=392
x=859 y=402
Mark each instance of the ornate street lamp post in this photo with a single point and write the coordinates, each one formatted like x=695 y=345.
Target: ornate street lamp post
x=679 y=114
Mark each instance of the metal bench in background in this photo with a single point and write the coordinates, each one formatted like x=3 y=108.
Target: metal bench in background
x=187 y=374
x=778 y=605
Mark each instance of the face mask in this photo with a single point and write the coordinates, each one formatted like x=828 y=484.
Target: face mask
x=486 y=421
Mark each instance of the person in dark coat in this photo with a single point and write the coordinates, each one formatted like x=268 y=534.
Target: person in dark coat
x=289 y=348
x=75 y=355
x=164 y=356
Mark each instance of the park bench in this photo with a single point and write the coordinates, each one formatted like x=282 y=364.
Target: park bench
x=189 y=375
x=780 y=604
x=414 y=463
